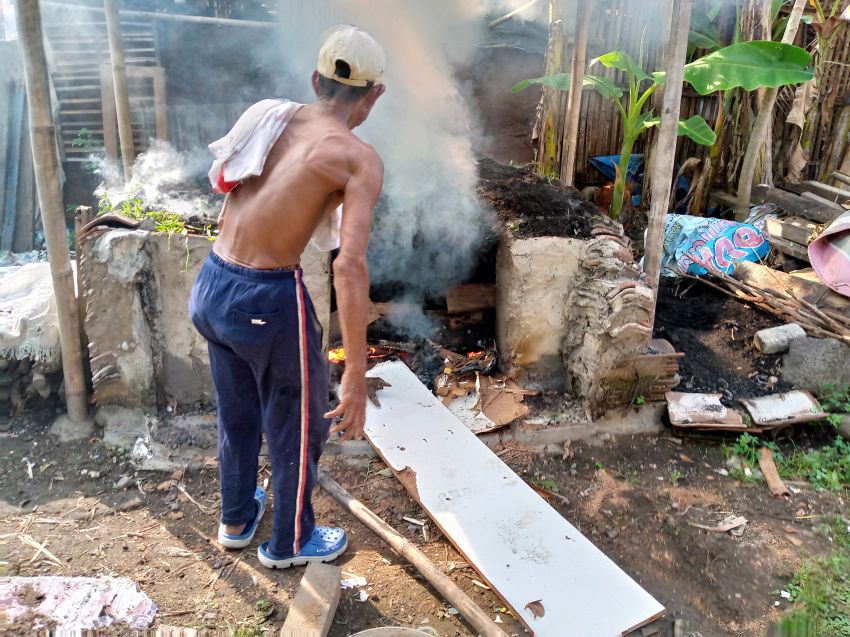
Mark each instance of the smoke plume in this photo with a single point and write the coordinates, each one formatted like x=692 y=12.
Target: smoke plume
x=430 y=222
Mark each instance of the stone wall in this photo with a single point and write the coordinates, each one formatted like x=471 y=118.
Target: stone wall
x=570 y=311
x=144 y=350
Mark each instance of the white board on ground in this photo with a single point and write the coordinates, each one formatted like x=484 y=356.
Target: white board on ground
x=520 y=545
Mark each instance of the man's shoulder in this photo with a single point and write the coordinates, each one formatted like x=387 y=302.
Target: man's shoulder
x=346 y=146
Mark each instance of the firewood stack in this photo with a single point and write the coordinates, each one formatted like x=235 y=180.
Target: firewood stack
x=802 y=216
x=22 y=381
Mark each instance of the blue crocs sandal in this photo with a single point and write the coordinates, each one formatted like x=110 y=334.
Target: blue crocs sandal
x=244 y=539
x=325 y=545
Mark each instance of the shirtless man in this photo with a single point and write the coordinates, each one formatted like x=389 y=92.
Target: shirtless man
x=251 y=305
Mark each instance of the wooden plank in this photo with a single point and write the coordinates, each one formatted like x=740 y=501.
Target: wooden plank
x=802 y=287
x=822 y=200
x=795 y=204
x=312 y=611
x=794 y=229
x=521 y=547
x=789 y=247
x=832 y=194
x=471 y=297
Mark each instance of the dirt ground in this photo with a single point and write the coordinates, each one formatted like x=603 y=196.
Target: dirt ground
x=716 y=333
x=634 y=497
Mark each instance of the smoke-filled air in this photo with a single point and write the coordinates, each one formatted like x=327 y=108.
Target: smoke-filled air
x=429 y=223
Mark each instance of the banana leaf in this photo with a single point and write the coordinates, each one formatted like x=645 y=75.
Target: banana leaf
x=750 y=65
x=561 y=82
x=623 y=61
x=695 y=128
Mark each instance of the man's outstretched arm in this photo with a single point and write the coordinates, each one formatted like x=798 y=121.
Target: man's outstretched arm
x=351 y=283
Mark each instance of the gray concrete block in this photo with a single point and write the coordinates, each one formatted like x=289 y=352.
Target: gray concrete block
x=812 y=363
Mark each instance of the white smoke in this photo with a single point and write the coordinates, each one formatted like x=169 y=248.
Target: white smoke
x=430 y=225
x=163 y=179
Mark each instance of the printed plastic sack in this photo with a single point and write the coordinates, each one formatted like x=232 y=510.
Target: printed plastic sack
x=699 y=245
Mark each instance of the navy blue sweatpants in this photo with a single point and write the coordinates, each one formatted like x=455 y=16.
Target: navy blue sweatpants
x=270 y=377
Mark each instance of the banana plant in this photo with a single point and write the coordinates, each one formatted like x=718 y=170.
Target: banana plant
x=749 y=65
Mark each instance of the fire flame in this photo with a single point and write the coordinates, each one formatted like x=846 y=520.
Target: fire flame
x=337 y=355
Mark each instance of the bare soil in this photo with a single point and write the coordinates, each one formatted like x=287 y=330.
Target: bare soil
x=634 y=497
x=716 y=333
x=532 y=206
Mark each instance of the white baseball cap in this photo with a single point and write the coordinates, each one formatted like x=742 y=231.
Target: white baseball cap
x=355 y=47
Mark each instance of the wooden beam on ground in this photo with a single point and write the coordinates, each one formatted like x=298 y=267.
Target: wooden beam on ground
x=762 y=277
x=470 y=297
x=833 y=194
x=789 y=247
x=796 y=229
x=664 y=152
x=312 y=611
x=795 y=204
x=841 y=177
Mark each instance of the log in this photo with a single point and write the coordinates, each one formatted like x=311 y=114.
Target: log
x=476 y=617
x=839 y=176
x=795 y=204
x=312 y=611
x=470 y=297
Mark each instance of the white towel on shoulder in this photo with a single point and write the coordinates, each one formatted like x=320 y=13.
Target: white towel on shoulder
x=242 y=153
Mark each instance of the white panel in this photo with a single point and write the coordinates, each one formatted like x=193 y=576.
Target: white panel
x=519 y=544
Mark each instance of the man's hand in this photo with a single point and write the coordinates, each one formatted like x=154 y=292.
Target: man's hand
x=351 y=410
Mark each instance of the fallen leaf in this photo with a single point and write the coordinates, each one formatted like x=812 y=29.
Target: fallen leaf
x=536 y=608
x=794 y=540
x=685 y=458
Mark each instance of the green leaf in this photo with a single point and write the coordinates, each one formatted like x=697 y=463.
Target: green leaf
x=623 y=61
x=646 y=120
x=695 y=128
x=750 y=65
x=561 y=82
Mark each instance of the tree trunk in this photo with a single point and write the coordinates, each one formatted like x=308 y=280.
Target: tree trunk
x=764 y=121
x=49 y=186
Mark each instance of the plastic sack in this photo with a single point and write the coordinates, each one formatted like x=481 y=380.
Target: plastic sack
x=699 y=245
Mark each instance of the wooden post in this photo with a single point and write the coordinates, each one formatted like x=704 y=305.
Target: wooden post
x=49 y=185
x=664 y=153
x=119 y=81
x=577 y=69
x=762 y=125
x=469 y=610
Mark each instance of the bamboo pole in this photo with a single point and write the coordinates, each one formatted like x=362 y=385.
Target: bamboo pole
x=664 y=152
x=763 y=122
x=577 y=69
x=470 y=611
x=119 y=82
x=49 y=187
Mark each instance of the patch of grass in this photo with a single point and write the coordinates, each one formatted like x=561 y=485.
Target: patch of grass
x=675 y=476
x=264 y=606
x=549 y=485
x=640 y=400
x=134 y=208
x=827 y=468
x=835 y=399
x=820 y=590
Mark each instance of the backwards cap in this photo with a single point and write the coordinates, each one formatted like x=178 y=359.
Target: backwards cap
x=355 y=47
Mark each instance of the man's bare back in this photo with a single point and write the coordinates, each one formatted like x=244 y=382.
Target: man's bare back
x=268 y=220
